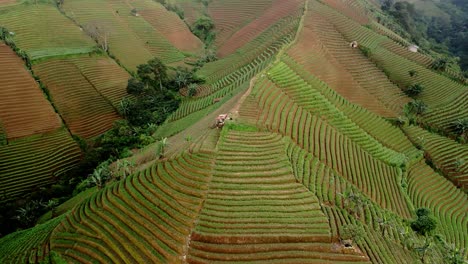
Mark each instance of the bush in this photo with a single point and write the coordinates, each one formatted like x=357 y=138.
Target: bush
x=424 y=224
x=414 y=90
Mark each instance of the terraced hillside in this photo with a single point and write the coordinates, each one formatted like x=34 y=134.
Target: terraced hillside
x=131 y=39
x=82 y=93
x=42 y=31
x=23 y=109
x=30 y=163
x=256 y=211
x=320 y=161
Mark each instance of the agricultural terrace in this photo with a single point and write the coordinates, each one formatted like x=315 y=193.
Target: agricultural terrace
x=430 y=189
x=42 y=31
x=36 y=161
x=145 y=218
x=350 y=8
x=228 y=76
x=334 y=146
x=256 y=211
x=313 y=54
x=447 y=155
x=24 y=110
x=170 y=25
x=192 y=10
x=277 y=11
x=28 y=246
x=229 y=16
x=131 y=39
x=109 y=80
x=85 y=110
x=446 y=99
x=335 y=32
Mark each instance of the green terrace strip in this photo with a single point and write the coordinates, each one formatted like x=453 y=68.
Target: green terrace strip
x=142 y=219
x=28 y=246
x=304 y=93
x=131 y=39
x=447 y=100
x=281 y=114
x=32 y=162
x=80 y=96
x=378 y=248
x=382 y=130
x=447 y=155
x=329 y=185
x=42 y=31
x=169 y=24
x=256 y=211
x=429 y=189
x=23 y=109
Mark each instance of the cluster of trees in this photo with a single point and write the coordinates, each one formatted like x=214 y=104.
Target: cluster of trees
x=203 y=28
x=154 y=93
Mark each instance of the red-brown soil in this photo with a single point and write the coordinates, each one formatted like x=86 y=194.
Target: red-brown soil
x=278 y=10
x=24 y=110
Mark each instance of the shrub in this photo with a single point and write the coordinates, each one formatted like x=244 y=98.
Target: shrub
x=417 y=107
x=424 y=223
x=414 y=90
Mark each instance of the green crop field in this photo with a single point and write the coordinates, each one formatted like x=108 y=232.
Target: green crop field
x=35 y=161
x=42 y=31
x=131 y=39
x=321 y=159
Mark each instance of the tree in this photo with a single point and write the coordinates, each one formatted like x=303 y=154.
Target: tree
x=424 y=249
x=387 y=5
x=135 y=87
x=351 y=232
x=424 y=224
x=453 y=255
x=52 y=206
x=154 y=72
x=99 y=32
x=440 y=64
x=417 y=107
x=99 y=175
x=412 y=73
x=202 y=28
x=162 y=147
x=353 y=202
x=192 y=89
x=414 y=90
x=385 y=225
x=124 y=167
x=460 y=126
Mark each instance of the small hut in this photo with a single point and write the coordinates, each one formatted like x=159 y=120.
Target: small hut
x=413 y=48
x=354 y=44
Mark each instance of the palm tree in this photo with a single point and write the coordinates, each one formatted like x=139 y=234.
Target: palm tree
x=417 y=107
x=52 y=206
x=159 y=70
x=125 y=166
x=460 y=126
x=162 y=147
x=192 y=89
x=385 y=225
x=98 y=177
